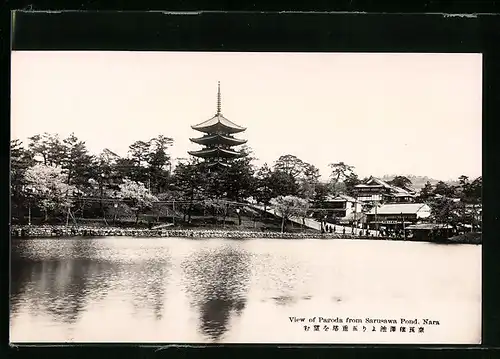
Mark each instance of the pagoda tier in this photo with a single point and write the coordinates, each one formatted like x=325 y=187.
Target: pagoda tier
x=218 y=125
x=218 y=139
x=216 y=153
x=217 y=164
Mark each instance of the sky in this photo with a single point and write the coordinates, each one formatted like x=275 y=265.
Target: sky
x=383 y=113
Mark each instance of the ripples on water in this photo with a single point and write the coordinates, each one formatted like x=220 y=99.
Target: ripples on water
x=206 y=290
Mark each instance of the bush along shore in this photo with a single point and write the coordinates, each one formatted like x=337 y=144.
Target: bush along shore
x=48 y=231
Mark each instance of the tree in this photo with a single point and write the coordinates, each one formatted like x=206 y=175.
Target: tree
x=321 y=192
x=289 y=164
x=308 y=181
x=138 y=194
x=351 y=181
x=283 y=184
x=445 y=211
x=50 y=186
x=238 y=179
x=48 y=148
x=297 y=176
x=138 y=154
x=444 y=189
x=263 y=191
x=158 y=162
x=20 y=160
x=340 y=172
x=401 y=182
x=191 y=179
x=476 y=189
x=426 y=193
x=77 y=162
x=470 y=198
x=289 y=206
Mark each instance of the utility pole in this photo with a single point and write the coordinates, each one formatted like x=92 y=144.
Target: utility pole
x=173 y=212
x=355 y=219
x=67 y=217
x=404 y=228
x=29 y=209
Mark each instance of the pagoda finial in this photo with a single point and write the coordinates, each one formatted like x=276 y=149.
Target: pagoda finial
x=218 y=98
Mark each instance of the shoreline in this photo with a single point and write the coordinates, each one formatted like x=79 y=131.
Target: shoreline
x=52 y=231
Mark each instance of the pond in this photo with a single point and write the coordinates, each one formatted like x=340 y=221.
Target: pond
x=173 y=290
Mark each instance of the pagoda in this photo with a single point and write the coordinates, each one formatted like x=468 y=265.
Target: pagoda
x=218 y=141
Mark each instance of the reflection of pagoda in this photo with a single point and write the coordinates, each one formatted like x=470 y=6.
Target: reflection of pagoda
x=218 y=140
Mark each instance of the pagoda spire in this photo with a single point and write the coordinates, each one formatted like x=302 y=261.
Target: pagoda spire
x=218 y=98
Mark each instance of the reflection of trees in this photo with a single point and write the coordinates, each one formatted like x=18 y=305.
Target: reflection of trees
x=217 y=281
x=61 y=277
x=147 y=282
x=61 y=285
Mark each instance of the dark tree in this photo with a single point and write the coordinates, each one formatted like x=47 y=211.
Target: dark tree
x=350 y=182
x=401 y=182
x=263 y=191
x=426 y=193
x=283 y=184
x=444 y=189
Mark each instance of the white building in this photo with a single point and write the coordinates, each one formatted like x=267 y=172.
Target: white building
x=397 y=214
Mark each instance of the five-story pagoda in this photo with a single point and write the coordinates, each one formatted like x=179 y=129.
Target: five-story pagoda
x=218 y=141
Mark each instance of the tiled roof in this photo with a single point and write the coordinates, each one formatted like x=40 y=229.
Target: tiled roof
x=341 y=197
x=397 y=208
x=218 y=120
x=379 y=183
x=403 y=194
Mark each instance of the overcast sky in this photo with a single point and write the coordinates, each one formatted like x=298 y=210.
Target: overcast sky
x=382 y=113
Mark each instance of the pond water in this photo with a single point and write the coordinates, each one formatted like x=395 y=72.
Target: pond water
x=169 y=290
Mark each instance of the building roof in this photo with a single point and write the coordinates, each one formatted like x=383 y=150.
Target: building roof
x=218 y=139
x=215 y=152
x=450 y=198
x=398 y=208
x=340 y=198
x=217 y=164
x=405 y=194
x=374 y=182
x=367 y=186
x=218 y=124
x=428 y=226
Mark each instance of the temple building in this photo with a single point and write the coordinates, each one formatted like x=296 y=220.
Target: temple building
x=218 y=142
x=376 y=190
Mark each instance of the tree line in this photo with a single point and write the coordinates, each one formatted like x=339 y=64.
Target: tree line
x=58 y=179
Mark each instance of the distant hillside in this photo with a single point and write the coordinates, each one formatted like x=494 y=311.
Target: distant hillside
x=419 y=181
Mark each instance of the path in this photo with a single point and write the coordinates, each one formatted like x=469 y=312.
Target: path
x=312 y=223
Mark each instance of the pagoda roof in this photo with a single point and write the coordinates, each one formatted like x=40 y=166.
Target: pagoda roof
x=217 y=164
x=218 y=124
x=216 y=152
x=217 y=138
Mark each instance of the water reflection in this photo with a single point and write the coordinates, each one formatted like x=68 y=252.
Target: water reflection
x=62 y=278
x=217 y=282
x=60 y=286
x=133 y=289
x=147 y=281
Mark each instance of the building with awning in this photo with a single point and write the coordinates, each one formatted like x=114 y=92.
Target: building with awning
x=397 y=215
x=218 y=142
